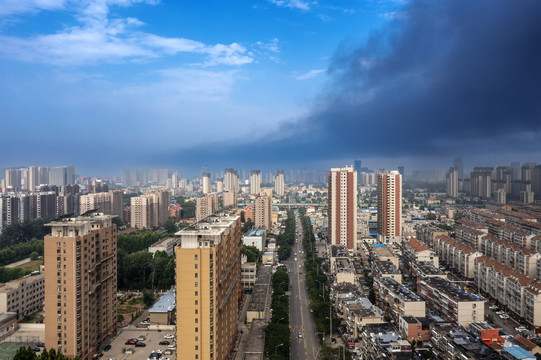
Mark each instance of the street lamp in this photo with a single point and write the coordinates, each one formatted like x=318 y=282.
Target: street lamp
x=276 y=347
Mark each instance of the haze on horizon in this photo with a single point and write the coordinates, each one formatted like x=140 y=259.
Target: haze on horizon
x=112 y=84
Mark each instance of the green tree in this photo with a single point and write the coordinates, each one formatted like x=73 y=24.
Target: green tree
x=252 y=253
x=34 y=255
x=171 y=226
x=148 y=297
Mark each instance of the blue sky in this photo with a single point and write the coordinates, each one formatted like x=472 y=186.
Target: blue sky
x=99 y=82
x=109 y=84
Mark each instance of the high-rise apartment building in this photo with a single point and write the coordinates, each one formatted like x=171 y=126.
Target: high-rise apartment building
x=62 y=175
x=149 y=210
x=219 y=185
x=342 y=208
x=32 y=178
x=108 y=203
x=536 y=181
x=126 y=179
x=208 y=286
x=452 y=182
x=389 y=205
x=231 y=180
x=206 y=183
x=230 y=198
x=279 y=183
x=206 y=206
x=481 y=181
x=80 y=284
x=357 y=166
x=255 y=182
x=459 y=164
x=263 y=211
x=14 y=179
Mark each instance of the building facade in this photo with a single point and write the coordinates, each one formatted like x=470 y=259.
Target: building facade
x=208 y=285
x=389 y=205
x=342 y=205
x=279 y=183
x=263 y=212
x=255 y=182
x=80 y=284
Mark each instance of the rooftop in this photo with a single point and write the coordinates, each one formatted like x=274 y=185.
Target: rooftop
x=165 y=304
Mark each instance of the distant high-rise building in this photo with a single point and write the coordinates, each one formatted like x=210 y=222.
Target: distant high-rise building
x=219 y=185
x=357 y=166
x=43 y=172
x=127 y=178
x=14 y=179
x=263 y=211
x=175 y=180
x=500 y=196
x=516 y=170
x=230 y=198
x=208 y=287
x=80 y=285
x=536 y=181
x=527 y=171
x=342 y=206
x=231 y=180
x=452 y=182
x=481 y=181
x=100 y=202
x=279 y=183
x=62 y=175
x=459 y=164
x=255 y=182
x=32 y=178
x=402 y=171
x=206 y=206
x=389 y=205
x=206 y=183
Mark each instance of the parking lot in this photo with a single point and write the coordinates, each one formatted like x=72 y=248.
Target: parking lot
x=152 y=340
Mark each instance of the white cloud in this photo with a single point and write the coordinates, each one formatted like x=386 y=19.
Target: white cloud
x=100 y=38
x=310 y=74
x=294 y=4
x=270 y=46
x=9 y=7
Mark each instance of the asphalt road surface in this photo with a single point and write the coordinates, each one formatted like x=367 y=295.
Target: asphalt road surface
x=305 y=345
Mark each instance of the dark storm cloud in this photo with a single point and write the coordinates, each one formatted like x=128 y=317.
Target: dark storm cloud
x=444 y=77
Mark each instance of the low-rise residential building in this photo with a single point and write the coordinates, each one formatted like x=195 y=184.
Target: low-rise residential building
x=415 y=329
x=383 y=252
x=451 y=301
x=166 y=244
x=450 y=343
x=459 y=257
x=248 y=274
x=255 y=238
x=163 y=311
x=386 y=269
x=343 y=272
x=23 y=296
x=397 y=300
x=415 y=251
x=423 y=270
x=8 y=324
x=486 y=332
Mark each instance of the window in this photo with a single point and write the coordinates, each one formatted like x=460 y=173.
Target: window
x=196 y=266
x=196 y=329
x=196 y=293
x=196 y=284
x=196 y=302
x=195 y=257
x=196 y=274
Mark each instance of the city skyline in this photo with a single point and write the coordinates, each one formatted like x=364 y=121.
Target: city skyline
x=344 y=73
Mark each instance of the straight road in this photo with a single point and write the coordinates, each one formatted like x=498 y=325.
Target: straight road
x=304 y=341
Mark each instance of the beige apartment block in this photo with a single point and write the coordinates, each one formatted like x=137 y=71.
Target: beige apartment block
x=23 y=296
x=208 y=285
x=80 y=284
x=230 y=198
x=263 y=211
x=205 y=206
x=150 y=210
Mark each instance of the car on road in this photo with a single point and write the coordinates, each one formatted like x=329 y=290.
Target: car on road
x=169 y=336
x=300 y=334
x=131 y=342
x=140 y=344
x=499 y=312
x=106 y=348
x=172 y=347
x=165 y=342
x=493 y=307
x=36 y=349
x=504 y=316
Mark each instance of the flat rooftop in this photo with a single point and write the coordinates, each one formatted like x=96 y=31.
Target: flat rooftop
x=165 y=304
x=451 y=290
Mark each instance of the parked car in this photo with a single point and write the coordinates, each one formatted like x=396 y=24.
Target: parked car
x=499 y=312
x=169 y=336
x=172 y=347
x=131 y=342
x=40 y=344
x=36 y=349
x=504 y=316
x=165 y=342
x=106 y=348
x=140 y=344
x=300 y=334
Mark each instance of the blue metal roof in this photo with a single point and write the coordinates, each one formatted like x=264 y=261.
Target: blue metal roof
x=519 y=353
x=379 y=245
x=165 y=304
